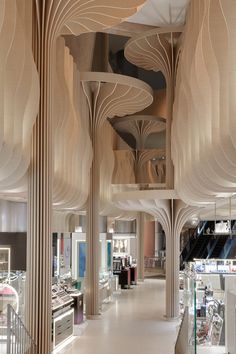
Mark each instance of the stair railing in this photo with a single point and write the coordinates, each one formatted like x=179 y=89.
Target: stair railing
x=18 y=339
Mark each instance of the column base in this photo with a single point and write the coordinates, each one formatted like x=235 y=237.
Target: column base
x=172 y=319
x=94 y=317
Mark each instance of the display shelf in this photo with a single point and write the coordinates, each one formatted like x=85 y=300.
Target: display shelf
x=62 y=315
x=5 y=260
x=63 y=327
x=217 y=266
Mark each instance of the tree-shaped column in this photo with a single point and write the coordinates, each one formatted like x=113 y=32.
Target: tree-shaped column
x=108 y=95
x=158 y=50
x=141 y=127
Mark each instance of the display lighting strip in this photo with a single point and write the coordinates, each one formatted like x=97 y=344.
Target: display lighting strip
x=123 y=236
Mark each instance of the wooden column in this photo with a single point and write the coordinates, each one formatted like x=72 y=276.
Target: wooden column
x=92 y=235
x=172 y=277
x=140 y=245
x=39 y=240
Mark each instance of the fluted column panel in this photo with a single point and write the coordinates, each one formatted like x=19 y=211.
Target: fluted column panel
x=71 y=165
x=124 y=171
x=204 y=110
x=107 y=95
x=19 y=97
x=140 y=241
x=39 y=241
x=92 y=234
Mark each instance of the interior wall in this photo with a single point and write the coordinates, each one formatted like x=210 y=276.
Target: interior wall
x=16 y=241
x=13 y=216
x=149 y=239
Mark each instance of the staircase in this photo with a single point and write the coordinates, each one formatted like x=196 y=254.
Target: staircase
x=205 y=244
x=14 y=337
x=197 y=245
x=218 y=246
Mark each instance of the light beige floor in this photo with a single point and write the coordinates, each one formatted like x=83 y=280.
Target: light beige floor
x=134 y=324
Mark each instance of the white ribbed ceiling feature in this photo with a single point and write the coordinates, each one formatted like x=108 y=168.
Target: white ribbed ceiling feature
x=81 y=16
x=72 y=151
x=19 y=98
x=155 y=50
x=161 y=13
x=204 y=126
x=157 y=203
x=19 y=93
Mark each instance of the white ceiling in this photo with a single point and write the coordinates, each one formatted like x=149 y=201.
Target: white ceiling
x=161 y=13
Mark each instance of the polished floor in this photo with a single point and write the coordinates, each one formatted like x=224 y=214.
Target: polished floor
x=133 y=324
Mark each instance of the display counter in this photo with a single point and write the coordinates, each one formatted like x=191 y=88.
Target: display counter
x=108 y=284
x=62 y=315
x=204 y=294
x=78 y=306
x=126 y=271
x=133 y=275
x=124 y=278
x=218 y=266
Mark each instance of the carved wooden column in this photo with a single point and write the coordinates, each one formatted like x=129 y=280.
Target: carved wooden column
x=179 y=213
x=141 y=127
x=107 y=95
x=140 y=245
x=51 y=19
x=39 y=240
x=92 y=234
x=158 y=50
x=172 y=269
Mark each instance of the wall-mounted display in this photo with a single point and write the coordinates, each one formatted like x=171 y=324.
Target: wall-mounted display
x=81 y=254
x=120 y=246
x=214 y=265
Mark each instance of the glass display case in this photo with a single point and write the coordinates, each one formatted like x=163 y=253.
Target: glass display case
x=188 y=299
x=108 y=284
x=62 y=255
x=204 y=295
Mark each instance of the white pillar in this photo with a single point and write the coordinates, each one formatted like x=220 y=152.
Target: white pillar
x=140 y=245
x=172 y=269
x=39 y=237
x=172 y=277
x=92 y=234
x=158 y=238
